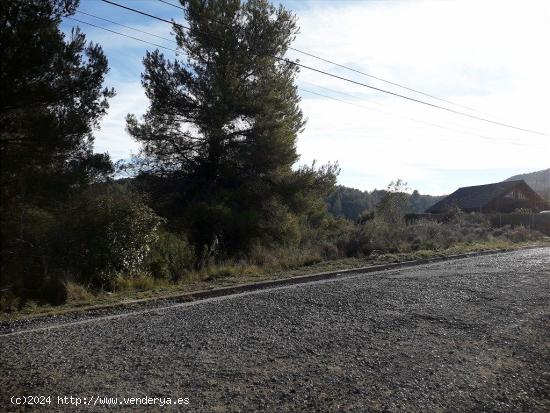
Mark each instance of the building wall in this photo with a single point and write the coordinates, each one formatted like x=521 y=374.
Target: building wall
x=519 y=198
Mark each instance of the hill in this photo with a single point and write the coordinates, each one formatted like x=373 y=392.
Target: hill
x=539 y=181
x=350 y=202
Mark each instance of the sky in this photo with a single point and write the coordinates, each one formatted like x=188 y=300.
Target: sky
x=489 y=59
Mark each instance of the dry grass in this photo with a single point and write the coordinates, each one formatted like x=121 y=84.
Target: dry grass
x=136 y=287
x=77 y=293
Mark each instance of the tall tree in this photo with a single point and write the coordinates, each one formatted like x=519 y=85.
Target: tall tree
x=224 y=121
x=52 y=98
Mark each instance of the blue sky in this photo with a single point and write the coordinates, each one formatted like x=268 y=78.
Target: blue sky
x=491 y=56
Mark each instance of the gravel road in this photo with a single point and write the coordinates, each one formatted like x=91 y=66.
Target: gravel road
x=464 y=335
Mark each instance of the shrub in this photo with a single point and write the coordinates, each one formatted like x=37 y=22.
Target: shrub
x=376 y=235
x=112 y=231
x=260 y=255
x=171 y=257
x=9 y=302
x=522 y=234
x=426 y=234
x=365 y=216
x=393 y=205
x=77 y=292
x=329 y=251
x=30 y=240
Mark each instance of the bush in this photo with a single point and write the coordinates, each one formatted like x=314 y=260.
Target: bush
x=9 y=302
x=30 y=242
x=426 y=235
x=330 y=251
x=111 y=231
x=365 y=216
x=260 y=255
x=170 y=257
x=77 y=292
x=393 y=205
x=522 y=234
x=375 y=235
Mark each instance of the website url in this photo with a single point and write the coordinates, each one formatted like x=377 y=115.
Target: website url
x=96 y=400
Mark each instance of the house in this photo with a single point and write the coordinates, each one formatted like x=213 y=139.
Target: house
x=502 y=197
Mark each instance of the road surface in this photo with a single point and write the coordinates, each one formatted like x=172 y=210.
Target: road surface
x=464 y=335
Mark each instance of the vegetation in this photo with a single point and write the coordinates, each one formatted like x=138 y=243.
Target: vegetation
x=220 y=133
x=217 y=194
x=351 y=203
x=52 y=98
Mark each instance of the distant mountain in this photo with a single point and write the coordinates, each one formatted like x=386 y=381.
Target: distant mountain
x=539 y=181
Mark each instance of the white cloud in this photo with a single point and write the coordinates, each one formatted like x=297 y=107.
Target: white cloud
x=489 y=55
x=112 y=137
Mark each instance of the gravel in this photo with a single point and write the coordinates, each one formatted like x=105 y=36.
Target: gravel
x=465 y=335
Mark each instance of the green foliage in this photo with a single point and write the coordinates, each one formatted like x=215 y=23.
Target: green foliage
x=365 y=216
x=217 y=162
x=111 y=231
x=393 y=205
x=170 y=257
x=221 y=129
x=378 y=235
x=431 y=235
x=375 y=236
x=9 y=302
x=104 y=231
x=30 y=240
x=77 y=292
x=520 y=234
x=418 y=203
x=351 y=203
x=52 y=98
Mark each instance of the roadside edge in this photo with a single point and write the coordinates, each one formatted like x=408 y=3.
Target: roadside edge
x=254 y=286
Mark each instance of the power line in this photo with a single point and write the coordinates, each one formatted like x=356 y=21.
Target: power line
x=127 y=27
x=122 y=34
x=409 y=98
x=146 y=14
x=306 y=90
x=171 y=4
x=355 y=70
x=464 y=130
x=407 y=118
x=379 y=78
x=479 y=118
x=389 y=112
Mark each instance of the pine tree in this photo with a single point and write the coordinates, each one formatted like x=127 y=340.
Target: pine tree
x=224 y=122
x=52 y=98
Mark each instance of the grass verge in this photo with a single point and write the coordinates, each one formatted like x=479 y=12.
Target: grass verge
x=129 y=290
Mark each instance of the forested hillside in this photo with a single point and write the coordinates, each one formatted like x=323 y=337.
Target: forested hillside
x=350 y=202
